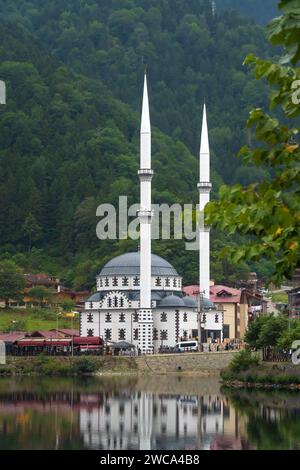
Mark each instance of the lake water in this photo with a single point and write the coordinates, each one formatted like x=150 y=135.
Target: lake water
x=158 y=413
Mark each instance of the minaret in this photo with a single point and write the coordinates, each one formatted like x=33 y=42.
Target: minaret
x=145 y=215
x=204 y=188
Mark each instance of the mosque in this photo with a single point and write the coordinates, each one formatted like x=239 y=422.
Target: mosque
x=140 y=297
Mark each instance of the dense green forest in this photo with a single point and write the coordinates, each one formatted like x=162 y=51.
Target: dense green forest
x=260 y=10
x=69 y=135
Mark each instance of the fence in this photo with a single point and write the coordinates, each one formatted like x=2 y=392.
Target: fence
x=275 y=355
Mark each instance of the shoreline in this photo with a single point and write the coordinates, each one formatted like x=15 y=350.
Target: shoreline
x=190 y=364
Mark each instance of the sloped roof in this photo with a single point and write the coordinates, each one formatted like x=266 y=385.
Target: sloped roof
x=12 y=337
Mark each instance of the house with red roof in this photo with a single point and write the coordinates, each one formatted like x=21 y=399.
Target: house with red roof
x=235 y=305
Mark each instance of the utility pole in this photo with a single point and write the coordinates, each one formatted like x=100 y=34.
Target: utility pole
x=199 y=317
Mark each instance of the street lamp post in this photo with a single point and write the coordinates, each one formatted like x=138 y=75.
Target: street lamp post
x=199 y=317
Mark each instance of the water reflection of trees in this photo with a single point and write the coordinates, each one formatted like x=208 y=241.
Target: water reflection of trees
x=273 y=418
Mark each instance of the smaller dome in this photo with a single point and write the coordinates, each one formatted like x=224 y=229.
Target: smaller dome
x=189 y=302
x=207 y=304
x=95 y=297
x=171 y=301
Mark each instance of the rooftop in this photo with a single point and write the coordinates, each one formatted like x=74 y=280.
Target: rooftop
x=129 y=264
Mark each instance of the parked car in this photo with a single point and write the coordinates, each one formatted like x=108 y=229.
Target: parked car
x=186 y=346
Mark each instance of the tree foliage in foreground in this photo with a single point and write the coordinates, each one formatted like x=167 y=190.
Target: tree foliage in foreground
x=269 y=211
x=270 y=331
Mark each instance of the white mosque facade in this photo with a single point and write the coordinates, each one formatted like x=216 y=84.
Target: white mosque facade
x=139 y=296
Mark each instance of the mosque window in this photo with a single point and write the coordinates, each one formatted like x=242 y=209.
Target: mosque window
x=109 y=302
x=155 y=334
x=107 y=334
x=204 y=318
x=90 y=318
x=174 y=282
x=116 y=301
x=136 y=318
x=136 y=334
x=125 y=281
x=163 y=317
x=106 y=282
x=91 y=305
x=217 y=319
x=185 y=334
x=122 y=318
x=158 y=282
x=167 y=282
x=122 y=334
x=115 y=281
x=185 y=318
x=108 y=318
x=164 y=335
x=121 y=302
x=90 y=332
x=136 y=281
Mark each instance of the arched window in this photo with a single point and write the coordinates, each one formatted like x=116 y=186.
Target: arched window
x=164 y=335
x=122 y=318
x=163 y=317
x=108 y=334
x=121 y=302
x=116 y=301
x=136 y=317
x=109 y=302
x=122 y=334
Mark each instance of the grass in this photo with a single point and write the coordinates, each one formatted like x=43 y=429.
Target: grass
x=279 y=297
x=33 y=319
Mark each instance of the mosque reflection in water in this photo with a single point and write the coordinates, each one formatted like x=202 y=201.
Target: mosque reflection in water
x=119 y=419
x=148 y=421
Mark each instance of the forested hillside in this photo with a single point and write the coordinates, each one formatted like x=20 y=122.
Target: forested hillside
x=69 y=133
x=260 y=10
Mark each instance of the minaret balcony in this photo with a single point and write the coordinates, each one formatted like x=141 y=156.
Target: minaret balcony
x=145 y=215
x=145 y=174
x=205 y=187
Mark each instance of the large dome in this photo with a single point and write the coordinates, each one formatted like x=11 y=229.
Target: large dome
x=129 y=264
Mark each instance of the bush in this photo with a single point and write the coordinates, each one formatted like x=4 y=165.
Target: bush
x=84 y=365
x=244 y=360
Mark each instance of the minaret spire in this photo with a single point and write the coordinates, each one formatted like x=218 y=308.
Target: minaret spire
x=204 y=188
x=145 y=216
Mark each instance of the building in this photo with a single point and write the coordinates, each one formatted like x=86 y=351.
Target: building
x=235 y=306
x=113 y=312
x=139 y=295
